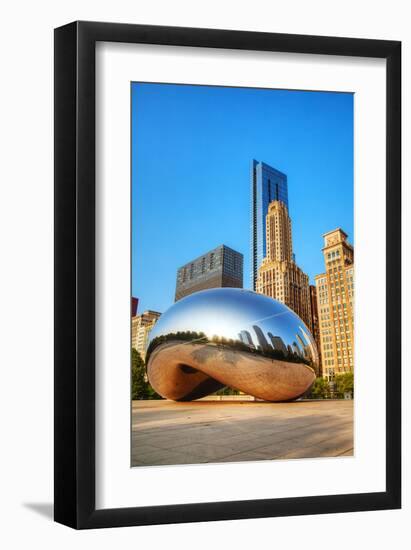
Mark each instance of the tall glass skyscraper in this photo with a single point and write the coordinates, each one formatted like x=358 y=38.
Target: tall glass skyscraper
x=267 y=184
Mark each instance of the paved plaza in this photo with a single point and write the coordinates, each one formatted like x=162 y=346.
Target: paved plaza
x=166 y=432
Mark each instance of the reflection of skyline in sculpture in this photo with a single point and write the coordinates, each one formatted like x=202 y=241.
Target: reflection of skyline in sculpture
x=262 y=342
x=277 y=343
x=230 y=337
x=245 y=337
x=228 y=318
x=296 y=349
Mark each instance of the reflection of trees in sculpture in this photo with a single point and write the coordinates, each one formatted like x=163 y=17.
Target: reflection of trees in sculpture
x=265 y=350
x=227 y=391
x=184 y=336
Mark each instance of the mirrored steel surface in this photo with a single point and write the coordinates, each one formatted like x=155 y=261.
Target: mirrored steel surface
x=231 y=337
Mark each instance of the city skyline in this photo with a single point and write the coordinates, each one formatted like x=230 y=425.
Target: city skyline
x=212 y=196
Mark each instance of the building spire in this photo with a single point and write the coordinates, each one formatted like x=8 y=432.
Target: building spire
x=278 y=275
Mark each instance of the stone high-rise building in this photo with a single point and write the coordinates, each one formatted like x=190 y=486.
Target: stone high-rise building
x=335 y=301
x=279 y=276
x=221 y=267
x=141 y=326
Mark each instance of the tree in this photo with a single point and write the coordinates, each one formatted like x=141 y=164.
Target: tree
x=320 y=389
x=139 y=386
x=344 y=383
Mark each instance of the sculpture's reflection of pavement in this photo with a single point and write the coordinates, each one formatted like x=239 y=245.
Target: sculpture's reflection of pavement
x=165 y=432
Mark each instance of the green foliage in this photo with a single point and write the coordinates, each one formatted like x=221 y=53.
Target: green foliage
x=140 y=388
x=344 y=383
x=320 y=389
x=227 y=391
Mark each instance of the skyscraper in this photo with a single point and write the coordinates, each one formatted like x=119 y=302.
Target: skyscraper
x=141 y=326
x=335 y=301
x=315 y=326
x=279 y=276
x=267 y=184
x=221 y=267
x=134 y=306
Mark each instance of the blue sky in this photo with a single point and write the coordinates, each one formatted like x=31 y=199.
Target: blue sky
x=192 y=148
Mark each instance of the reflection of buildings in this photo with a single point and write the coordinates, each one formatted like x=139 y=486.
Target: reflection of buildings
x=267 y=184
x=246 y=339
x=315 y=327
x=193 y=349
x=277 y=343
x=302 y=345
x=297 y=349
x=279 y=276
x=335 y=300
x=141 y=326
x=221 y=267
x=263 y=345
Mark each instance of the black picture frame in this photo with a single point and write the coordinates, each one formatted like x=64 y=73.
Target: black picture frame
x=74 y=389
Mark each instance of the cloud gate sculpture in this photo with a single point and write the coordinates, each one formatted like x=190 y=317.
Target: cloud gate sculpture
x=231 y=337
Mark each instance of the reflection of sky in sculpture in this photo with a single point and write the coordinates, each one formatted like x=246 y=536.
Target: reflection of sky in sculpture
x=226 y=312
